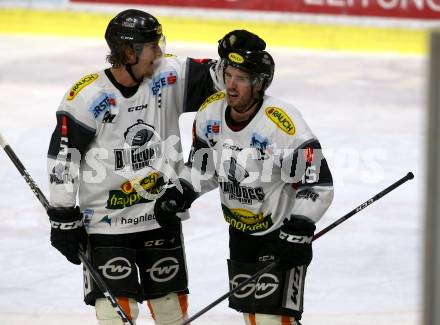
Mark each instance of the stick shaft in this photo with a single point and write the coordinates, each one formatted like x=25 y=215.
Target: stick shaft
x=40 y=196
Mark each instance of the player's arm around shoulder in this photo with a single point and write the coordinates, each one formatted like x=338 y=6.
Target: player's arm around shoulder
x=198 y=82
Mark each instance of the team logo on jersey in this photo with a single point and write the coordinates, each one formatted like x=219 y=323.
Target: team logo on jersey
x=211 y=99
x=235 y=57
x=307 y=195
x=164 y=79
x=247 y=221
x=102 y=104
x=61 y=174
x=212 y=127
x=87 y=217
x=281 y=119
x=106 y=220
x=261 y=144
x=108 y=117
x=153 y=184
x=83 y=82
x=212 y=130
x=129 y=196
x=118 y=200
x=236 y=173
x=243 y=194
x=141 y=153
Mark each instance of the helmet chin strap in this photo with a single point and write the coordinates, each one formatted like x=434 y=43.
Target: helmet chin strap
x=129 y=69
x=129 y=66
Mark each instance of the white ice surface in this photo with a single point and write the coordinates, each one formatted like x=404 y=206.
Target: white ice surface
x=369 y=114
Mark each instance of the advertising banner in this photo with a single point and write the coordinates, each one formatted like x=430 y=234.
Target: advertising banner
x=420 y=9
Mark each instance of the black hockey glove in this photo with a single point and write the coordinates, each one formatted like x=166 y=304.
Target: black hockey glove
x=239 y=39
x=171 y=202
x=67 y=232
x=296 y=242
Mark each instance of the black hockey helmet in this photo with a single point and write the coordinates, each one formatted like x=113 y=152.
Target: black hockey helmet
x=259 y=64
x=134 y=27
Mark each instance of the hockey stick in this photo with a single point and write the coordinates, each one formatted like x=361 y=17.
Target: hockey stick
x=270 y=266
x=81 y=255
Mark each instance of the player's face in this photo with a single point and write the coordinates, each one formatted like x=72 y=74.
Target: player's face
x=148 y=59
x=238 y=89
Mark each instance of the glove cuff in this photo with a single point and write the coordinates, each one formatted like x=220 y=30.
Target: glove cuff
x=65 y=218
x=295 y=239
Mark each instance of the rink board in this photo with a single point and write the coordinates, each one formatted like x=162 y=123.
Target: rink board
x=300 y=35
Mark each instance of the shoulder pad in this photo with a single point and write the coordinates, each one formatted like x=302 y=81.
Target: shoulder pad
x=214 y=97
x=79 y=85
x=281 y=119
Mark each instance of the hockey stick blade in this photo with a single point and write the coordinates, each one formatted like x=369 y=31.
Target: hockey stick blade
x=270 y=266
x=83 y=258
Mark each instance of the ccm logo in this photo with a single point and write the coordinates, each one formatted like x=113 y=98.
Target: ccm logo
x=66 y=225
x=295 y=239
x=116 y=269
x=158 y=242
x=164 y=269
x=137 y=108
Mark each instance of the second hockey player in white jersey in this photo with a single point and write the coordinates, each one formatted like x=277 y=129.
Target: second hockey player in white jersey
x=274 y=184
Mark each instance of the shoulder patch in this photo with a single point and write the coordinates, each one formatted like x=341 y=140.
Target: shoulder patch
x=281 y=119
x=83 y=82
x=214 y=97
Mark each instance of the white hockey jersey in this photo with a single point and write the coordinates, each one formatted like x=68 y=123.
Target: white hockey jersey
x=269 y=170
x=108 y=150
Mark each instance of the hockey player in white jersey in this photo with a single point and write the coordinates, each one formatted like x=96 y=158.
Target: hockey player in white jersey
x=109 y=150
x=274 y=185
